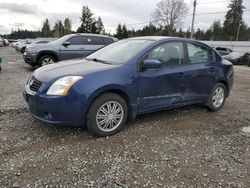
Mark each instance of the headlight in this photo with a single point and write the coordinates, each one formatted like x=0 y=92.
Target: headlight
x=30 y=50
x=63 y=85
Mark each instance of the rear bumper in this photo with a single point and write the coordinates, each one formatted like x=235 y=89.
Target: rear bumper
x=56 y=110
x=230 y=81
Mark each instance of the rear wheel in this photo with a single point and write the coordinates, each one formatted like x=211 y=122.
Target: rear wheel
x=107 y=115
x=46 y=60
x=217 y=97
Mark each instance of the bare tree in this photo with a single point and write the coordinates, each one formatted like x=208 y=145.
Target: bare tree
x=169 y=14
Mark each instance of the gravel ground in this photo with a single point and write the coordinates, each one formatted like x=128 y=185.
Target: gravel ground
x=186 y=147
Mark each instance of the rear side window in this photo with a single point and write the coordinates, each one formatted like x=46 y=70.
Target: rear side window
x=108 y=41
x=76 y=41
x=94 y=41
x=199 y=54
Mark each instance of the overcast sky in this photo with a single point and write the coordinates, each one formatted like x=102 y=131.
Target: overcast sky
x=30 y=14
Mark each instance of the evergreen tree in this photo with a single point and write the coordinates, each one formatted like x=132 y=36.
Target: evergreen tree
x=217 y=30
x=86 y=20
x=56 y=29
x=99 y=26
x=60 y=28
x=233 y=18
x=119 y=31
x=124 y=32
x=67 y=26
x=46 y=29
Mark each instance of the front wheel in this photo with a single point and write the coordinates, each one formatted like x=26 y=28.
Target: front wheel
x=23 y=50
x=107 y=115
x=217 y=97
x=46 y=60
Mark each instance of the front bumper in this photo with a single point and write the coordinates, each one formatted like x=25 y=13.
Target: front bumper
x=56 y=110
x=30 y=59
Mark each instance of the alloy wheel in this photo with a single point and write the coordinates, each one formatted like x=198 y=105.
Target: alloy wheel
x=109 y=116
x=47 y=61
x=218 y=97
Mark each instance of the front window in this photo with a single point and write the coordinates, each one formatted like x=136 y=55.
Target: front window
x=120 y=52
x=61 y=40
x=78 y=40
x=168 y=54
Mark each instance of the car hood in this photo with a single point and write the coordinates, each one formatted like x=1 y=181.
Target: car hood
x=41 y=46
x=78 y=67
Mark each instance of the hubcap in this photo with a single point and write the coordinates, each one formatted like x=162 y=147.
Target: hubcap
x=109 y=116
x=47 y=61
x=218 y=97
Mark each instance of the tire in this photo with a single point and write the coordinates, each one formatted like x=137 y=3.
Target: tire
x=23 y=50
x=103 y=126
x=216 y=103
x=46 y=60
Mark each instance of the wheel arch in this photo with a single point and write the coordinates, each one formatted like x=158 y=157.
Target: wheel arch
x=53 y=54
x=226 y=85
x=117 y=90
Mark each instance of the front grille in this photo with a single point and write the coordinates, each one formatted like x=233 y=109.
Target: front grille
x=35 y=84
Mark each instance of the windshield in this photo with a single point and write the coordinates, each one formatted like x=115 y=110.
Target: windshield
x=120 y=52
x=60 y=40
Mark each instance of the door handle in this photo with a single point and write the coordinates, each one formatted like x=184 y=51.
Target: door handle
x=81 y=48
x=181 y=75
x=212 y=69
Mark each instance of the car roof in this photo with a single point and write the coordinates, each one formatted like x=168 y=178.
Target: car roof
x=90 y=34
x=164 y=38
x=167 y=38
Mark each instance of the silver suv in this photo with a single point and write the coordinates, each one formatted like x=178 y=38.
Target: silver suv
x=67 y=47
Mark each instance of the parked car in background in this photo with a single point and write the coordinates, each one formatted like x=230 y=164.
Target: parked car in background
x=223 y=50
x=20 y=44
x=22 y=47
x=128 y=78
x=67 y=47
x=1 y=42
x=238 y=58
x=13 y=41
x=6 y=42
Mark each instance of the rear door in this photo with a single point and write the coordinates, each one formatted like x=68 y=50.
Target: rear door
x=91 y=44
x=202 y=70
x=74 y=50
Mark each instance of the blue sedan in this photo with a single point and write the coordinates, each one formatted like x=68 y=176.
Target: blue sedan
x=128 y=78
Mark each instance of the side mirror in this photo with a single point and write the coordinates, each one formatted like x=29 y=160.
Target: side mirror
x=151 y=64
x=66 y=44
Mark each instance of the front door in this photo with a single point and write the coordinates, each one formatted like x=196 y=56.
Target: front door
x=75 y=49
x=165 y=86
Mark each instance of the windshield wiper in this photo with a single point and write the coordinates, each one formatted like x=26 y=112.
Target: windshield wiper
x=97 y=60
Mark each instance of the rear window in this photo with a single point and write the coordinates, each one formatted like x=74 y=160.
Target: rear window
x=108 y=41
x=199 y=54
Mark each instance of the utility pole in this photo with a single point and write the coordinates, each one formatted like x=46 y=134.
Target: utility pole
x=192 y=28
x=238 y=31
